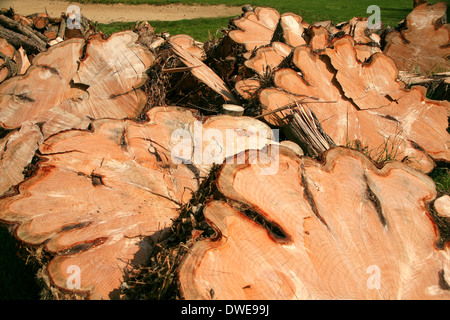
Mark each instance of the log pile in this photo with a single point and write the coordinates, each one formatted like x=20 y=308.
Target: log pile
x=296 y=145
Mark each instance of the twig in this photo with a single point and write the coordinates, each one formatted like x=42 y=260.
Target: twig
x=290 y=106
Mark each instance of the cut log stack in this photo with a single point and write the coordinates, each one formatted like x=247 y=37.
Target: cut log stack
x=105 y=141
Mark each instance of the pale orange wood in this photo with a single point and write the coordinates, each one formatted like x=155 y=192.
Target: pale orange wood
x=319 y=37
x=364 y=51
x=97 y=197
x=204 y=73
x=17 y=150
x=267 y=59
x=293 y=29
x=247 y=88
x=255 y=28
x=377 y=129
x=360 y=31
x=345 y=230
x=103 y=85
x=7 y=51
x=442 y=206
x=40 y=20
x=101 y=197
x=422 y=46
x=189 y=44
x=374 y=86
x=23 y=20
x=25 y=61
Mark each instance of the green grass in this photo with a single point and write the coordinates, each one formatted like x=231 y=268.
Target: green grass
x=197 y=28
x=392 y=12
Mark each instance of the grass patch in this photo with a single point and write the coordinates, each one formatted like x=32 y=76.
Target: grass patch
x=198 y=28
x=392 y=12
x=339 y=10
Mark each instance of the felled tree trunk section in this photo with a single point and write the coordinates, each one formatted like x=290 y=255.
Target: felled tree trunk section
x=267 y=59
x=365 y=104
x=255 y=28
x=101 y=197
x=17 y=150
x=422 y=46
x=202 y=72
x=339 y=228
x=103 y=85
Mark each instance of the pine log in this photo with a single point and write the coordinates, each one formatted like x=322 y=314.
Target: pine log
x=366 y=105
x=189 y=44
x=23 y=20
x=19 y=40
x=255 y=28
x=442 y=206
x=25 y=62
x=101 y=197
x=293 y=28
x=247 y=88
x=40 y=20
x=103 y=85
x=423 y=44
x=359 y=30
x=291 y=145
x=16 y=152
x=8 y=60
x=204 y=73
x=36 y=37
x=267 y=59
x=339 y=228
x=319 y=37
x=375 y=86
x=233 y=110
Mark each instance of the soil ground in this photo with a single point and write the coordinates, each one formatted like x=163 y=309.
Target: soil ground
x=107 y=13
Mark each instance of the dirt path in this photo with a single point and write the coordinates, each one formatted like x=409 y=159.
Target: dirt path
x=105 y=13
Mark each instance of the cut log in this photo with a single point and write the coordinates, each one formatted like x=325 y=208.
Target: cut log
x=17 y=150
x=267 y=59
x=103 y=196
x=36 y=37
x=40 y=20
x=319 y=37
x=247 y=88
x=19 y=40
x=204 y=73
x=291 y=145
x=255 y=28
x=23 y=20
x=232 y=110
x=375 y=86
x=399 y=128
x=8 y=60
x=103 y=85
x=442 y=206
x=293 y=28
x=96 y=197
x=25 y=61
x=336 y=229
x=190 y=45
x=423 y=44
x=359 y=30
